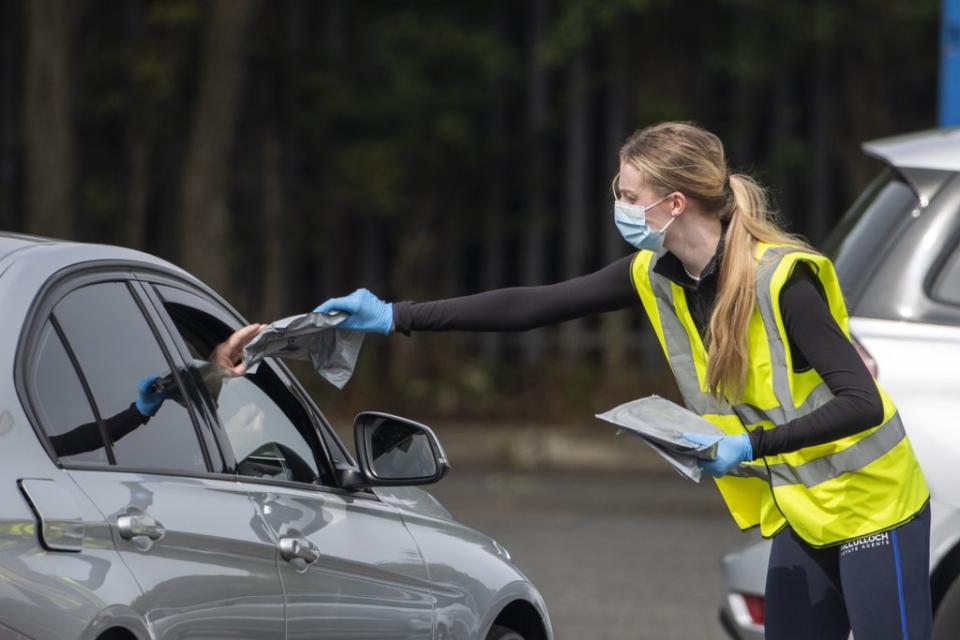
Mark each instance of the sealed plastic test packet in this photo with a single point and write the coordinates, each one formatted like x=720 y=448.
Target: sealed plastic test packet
x=661 y=424
x=312 y=337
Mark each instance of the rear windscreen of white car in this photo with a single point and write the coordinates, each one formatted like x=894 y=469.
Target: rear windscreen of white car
x=947 y=286
x=866 y=231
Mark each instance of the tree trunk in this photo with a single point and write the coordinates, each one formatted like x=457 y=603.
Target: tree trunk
x=372 y=263
x=614 y=325
x=534 y=264
x=743 y=97
x=139 y=192
x=48 y=131
x=205 y=238
x=821 y=174
x=857 y=101
x=576 y=199
x=137 y=145
x=780 y=126
x=297 y=243
x=494 y=253
x=274 y=277
x=330 y=283
x=10 y=51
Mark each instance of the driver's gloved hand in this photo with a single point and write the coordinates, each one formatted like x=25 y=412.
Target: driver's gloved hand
x=148 y=398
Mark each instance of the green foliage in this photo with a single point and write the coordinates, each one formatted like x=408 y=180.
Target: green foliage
x=174 y=14
x=582 y=21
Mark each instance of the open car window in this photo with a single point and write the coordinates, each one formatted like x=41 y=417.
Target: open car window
x=268 y=430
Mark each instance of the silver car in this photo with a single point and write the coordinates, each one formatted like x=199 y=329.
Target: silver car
x=234 y=512
x=897 y=252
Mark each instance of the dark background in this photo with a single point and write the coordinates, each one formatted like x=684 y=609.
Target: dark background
x=287 y=151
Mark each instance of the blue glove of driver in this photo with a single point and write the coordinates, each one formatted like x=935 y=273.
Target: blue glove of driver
x=148 y=400
x=731 y=451
x=367 y=312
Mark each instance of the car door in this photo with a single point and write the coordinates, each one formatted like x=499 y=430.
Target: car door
x=349 y=566
x=191 y=536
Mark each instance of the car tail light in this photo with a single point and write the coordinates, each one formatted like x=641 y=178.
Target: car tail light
x=754 y=608
x=746 y=610
x=865 y=356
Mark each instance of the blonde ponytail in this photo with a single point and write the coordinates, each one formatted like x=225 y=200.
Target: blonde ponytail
x=679 y=156
x=750 y=219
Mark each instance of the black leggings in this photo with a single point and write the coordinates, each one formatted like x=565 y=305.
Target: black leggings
x=878 y=586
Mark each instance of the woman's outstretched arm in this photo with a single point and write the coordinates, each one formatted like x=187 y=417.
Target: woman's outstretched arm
x=522 y=308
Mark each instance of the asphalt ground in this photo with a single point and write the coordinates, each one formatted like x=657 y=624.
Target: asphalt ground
x=615 y=555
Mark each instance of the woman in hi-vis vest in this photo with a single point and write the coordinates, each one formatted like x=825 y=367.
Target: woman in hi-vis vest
x=754 y=327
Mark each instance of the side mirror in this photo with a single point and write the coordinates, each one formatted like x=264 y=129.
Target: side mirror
x=394 y=451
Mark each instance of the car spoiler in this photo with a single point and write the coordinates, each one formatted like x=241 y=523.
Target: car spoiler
x=920 y=157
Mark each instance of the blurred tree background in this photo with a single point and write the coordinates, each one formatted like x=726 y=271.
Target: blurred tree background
x=293 y=150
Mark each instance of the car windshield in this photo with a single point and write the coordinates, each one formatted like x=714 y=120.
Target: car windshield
x=862 y=235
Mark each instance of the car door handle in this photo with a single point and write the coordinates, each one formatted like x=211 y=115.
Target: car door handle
x=138 y=526
x=298 y=548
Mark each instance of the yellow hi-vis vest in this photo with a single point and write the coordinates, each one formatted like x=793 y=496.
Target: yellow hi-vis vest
x=828 y=493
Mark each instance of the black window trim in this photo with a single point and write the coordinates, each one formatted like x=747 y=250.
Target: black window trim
x=172 y=362
x=53 y=291
x=200 y=401
x=153 y=275
x=314 y=416
x=219 y=315
x=87 y=392
x=328 y=434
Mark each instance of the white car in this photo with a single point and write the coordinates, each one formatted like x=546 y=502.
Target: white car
x=897 y=252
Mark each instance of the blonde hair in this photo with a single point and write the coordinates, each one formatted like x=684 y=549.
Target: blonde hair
x=680 y=156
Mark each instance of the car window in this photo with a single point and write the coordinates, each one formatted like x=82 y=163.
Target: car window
x=862 y=235
x=268 y=430
x=116 y=350
x=259 y=431
x=62 y=405
x=947 y=286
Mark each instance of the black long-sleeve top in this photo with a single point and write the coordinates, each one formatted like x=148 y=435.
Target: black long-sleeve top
x=815 y=339
x=87 y=437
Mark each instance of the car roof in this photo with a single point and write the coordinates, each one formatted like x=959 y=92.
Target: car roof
x=11 y=242
x=50 y=254
x=937 y=149
x=28 y=263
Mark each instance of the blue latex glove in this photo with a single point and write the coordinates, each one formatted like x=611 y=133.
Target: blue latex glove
x=367 y=312
x=731 y=451
x=148 y=400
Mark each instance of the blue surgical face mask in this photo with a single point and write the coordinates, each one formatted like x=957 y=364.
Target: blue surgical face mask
x=631 y=220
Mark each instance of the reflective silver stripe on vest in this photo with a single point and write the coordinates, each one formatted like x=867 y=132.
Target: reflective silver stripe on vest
x=750 y=471
x=854 y=457
x=778 y=351
x=680 y=354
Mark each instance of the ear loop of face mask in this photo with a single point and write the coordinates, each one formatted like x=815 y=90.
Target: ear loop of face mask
x=673 y=217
